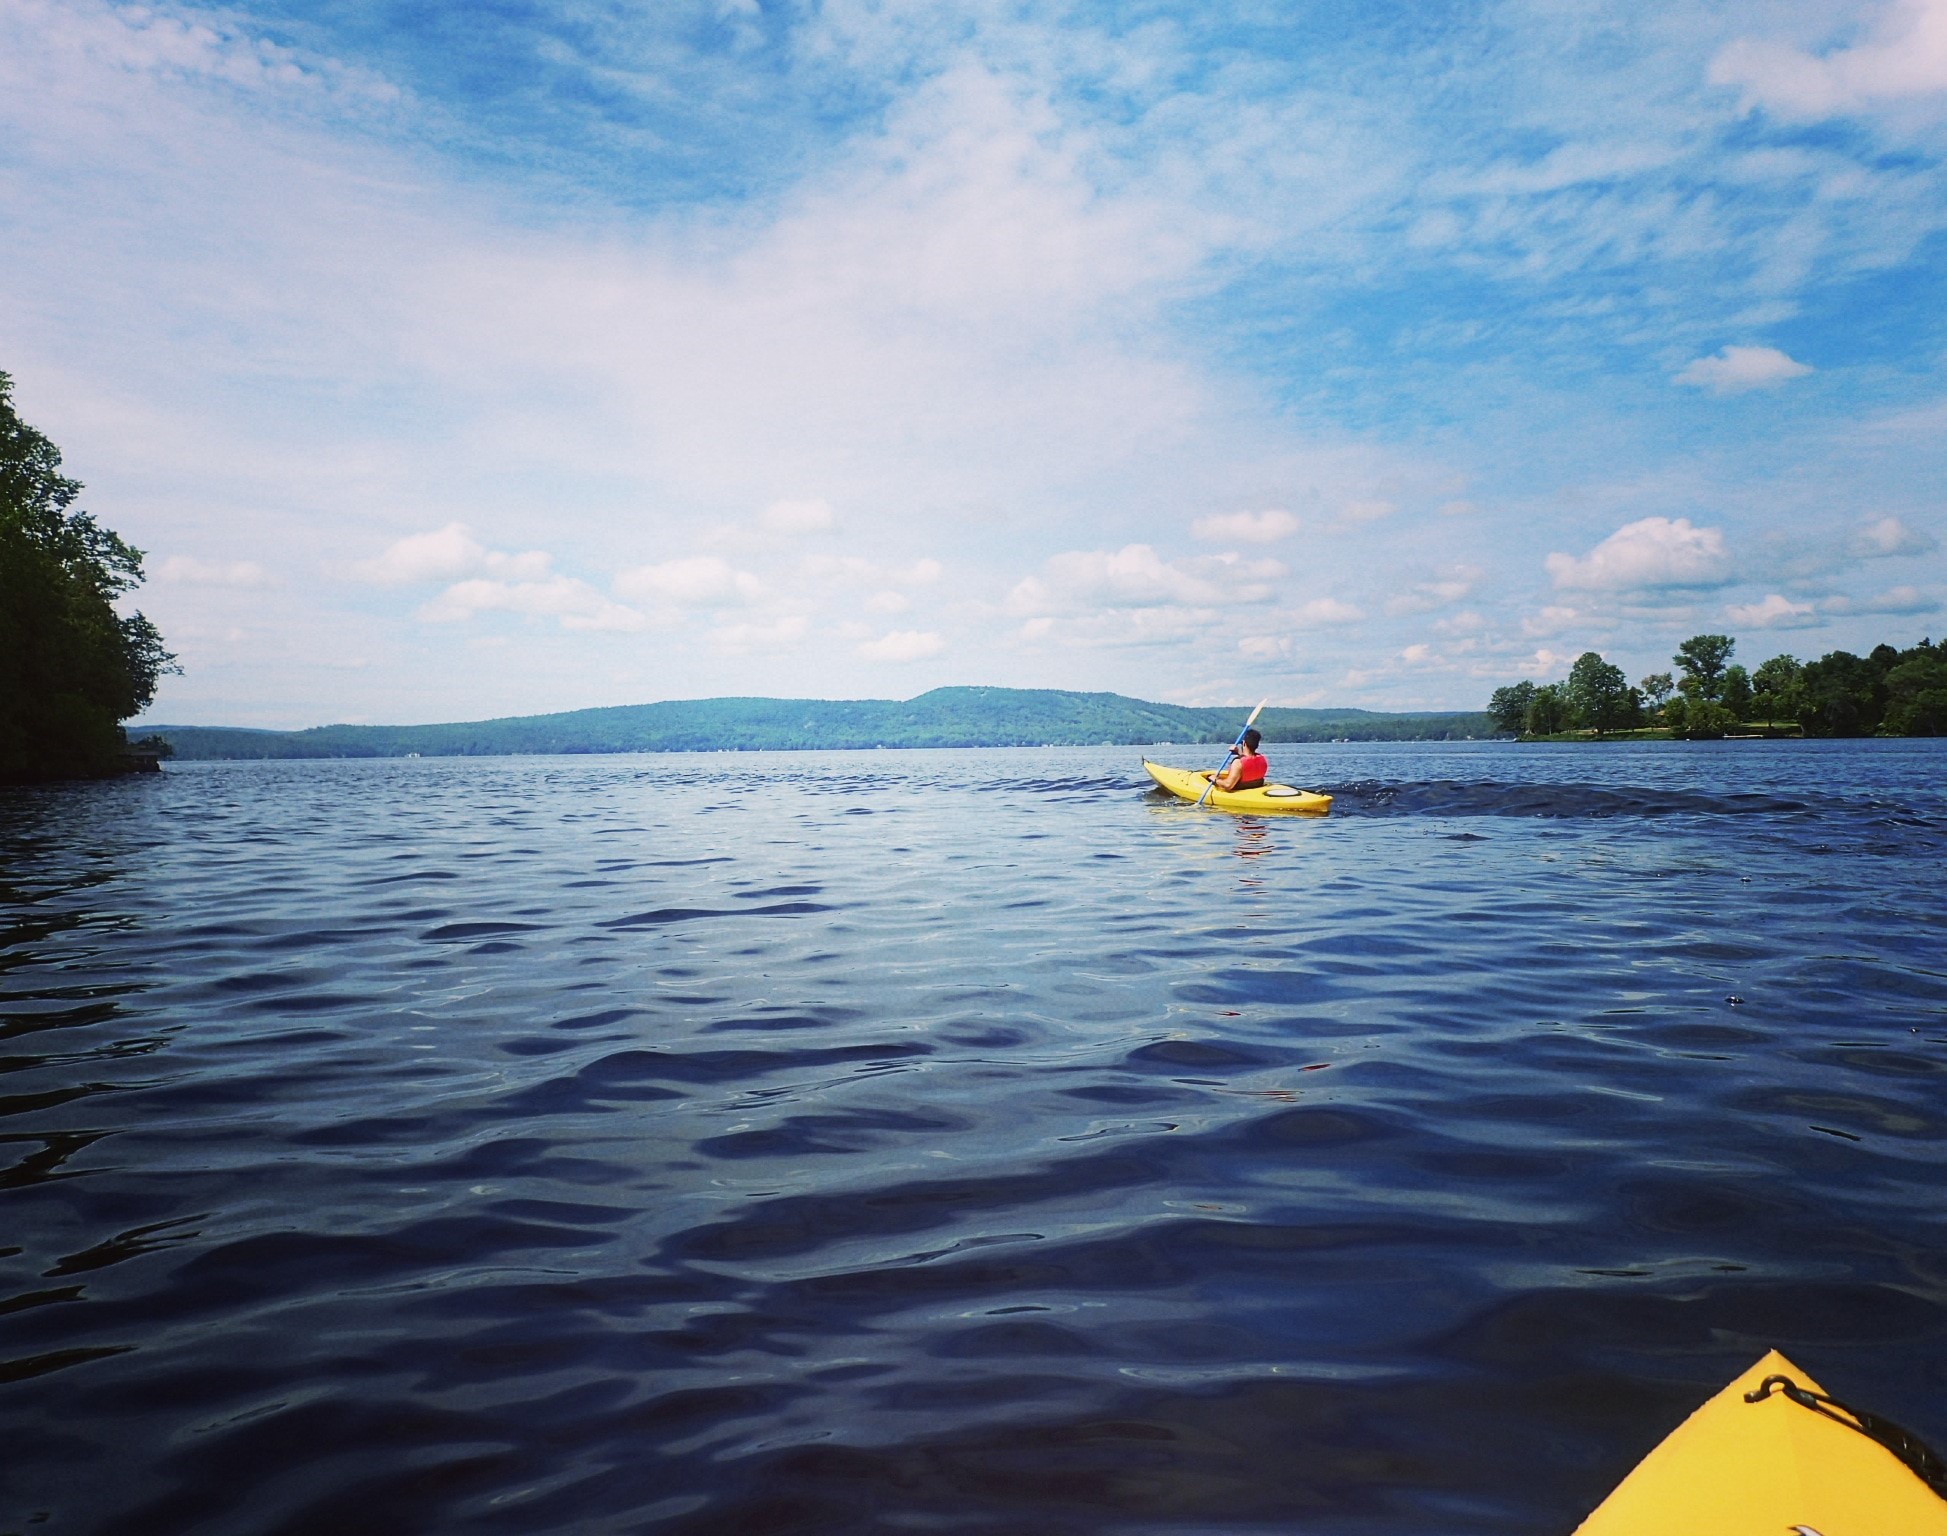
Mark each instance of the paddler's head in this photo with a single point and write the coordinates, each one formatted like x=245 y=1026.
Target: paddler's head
x=1251 y=738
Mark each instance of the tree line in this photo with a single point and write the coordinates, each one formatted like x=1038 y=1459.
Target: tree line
x=1887 y=692
x=71 y=667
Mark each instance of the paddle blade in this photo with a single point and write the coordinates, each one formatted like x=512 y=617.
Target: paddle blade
x=1255 y=713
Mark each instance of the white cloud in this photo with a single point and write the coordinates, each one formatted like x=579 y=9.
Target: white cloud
x=1265 y=527
x=836 y=570
x=796 y=517
x=1571 y=165
x=1652 y=552
x=1325 y=613
x=1124 y=628
x=702 y=581
x=888 y=602
x=1418 y=655
x=1774 y=611
x=1367 y=511
x=446 y=553
x=1136 y=576
x=1904 y=57
x=903 y=645
x=1551 y=621
x=140 y=39
x=1889 y=536
x=189 y=571
x=778 y=634
x=1426 y=596
x=1737 y=369
x=576 y=604
x=1544 y=663
x=497 y=582
x=1897 y=600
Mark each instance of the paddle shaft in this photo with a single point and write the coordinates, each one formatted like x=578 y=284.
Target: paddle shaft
x=1233 y=749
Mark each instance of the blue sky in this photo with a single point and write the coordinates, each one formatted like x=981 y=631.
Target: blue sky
x=455 y=361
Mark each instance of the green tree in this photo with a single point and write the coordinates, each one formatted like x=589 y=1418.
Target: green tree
x=1509 y=706
x=1697 y=719
x=1657 y=687
x=1736 y=692
x=1600 y=694
x=71 y=668
x=1549 y=711
x=1701 y=660
x=1916 y=693
x=1778 y=689
x=1843 y=694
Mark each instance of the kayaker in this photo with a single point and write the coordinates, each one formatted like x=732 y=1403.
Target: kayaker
x=1247 y=766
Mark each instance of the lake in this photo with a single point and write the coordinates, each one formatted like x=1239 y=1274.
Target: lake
x=961 y=1141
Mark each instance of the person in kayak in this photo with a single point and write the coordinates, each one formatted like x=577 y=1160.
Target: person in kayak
x=1247 y=766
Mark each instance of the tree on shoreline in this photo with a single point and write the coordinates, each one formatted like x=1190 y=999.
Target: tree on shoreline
x=1779 y=688
x=1509 y=706
x=1601 y=696
x=1888 y=692
x=71 y=668
x=1549 y=711
x=1916 y=693
x=1701 y=664
x=1735 y=692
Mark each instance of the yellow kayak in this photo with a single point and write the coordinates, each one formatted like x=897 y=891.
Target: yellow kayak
x=1769 y=1468
x=1266 y=799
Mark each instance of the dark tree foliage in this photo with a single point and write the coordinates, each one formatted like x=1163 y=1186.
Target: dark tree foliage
x=1916 y=693
x=1885 y=693
x=71 y=668
x=1509 y=706
x=1601 y=696
x=1549 y=711
x=1779 y=690
x=1735 y=693
x=1701 y=659
x=1698 y=719
x=1841 y=694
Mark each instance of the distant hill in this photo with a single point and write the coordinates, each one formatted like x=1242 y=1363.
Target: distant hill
x=946 y=717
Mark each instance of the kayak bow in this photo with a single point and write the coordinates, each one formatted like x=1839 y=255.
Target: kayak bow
x=1766 y=1468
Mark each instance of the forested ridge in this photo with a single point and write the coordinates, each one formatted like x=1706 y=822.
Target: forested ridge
x=944 y=717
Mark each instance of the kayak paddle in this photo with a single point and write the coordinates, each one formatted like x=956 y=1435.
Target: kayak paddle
x=1233 y=749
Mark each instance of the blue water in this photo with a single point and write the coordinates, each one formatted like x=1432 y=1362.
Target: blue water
x=954 y=1141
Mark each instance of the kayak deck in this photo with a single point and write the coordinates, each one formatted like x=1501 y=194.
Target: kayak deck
x=1265 y=800
x=1735 y=1468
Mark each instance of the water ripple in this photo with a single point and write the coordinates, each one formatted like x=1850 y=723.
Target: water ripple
x=437 y=1145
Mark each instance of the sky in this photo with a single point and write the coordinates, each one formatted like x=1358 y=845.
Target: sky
x=526 y=355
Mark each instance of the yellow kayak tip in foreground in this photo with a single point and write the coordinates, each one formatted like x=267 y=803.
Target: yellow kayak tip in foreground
x=1265 y=800
x=1778 y=1466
